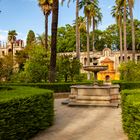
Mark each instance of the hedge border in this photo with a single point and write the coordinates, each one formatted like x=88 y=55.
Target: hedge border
x=22 y=117
x=131 y=113
x=56 y=87
x=127 y=85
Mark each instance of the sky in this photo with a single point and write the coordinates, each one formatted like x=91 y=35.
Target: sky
x=25 y=15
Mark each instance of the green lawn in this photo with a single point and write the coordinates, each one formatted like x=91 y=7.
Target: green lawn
x=9 y=93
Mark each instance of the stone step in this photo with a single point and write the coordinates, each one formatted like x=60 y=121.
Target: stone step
x=94 y=98
x=96 y=93
x=92 y=93
x=93 y=104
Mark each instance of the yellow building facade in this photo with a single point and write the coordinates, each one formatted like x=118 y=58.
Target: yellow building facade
x=110 y=73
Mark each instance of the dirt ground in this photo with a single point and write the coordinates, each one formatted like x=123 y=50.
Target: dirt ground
x=84 y=123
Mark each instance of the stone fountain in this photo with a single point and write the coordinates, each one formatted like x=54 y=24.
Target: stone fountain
x=105 y=95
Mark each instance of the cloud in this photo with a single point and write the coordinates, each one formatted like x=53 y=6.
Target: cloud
x=109 y=7
x=3 y=31
x=3 y=37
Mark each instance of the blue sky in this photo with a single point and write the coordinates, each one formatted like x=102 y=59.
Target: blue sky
x=25 y=15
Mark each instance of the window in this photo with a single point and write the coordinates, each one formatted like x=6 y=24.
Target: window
x=3 y=53
x=138 y=58
x=85 y=61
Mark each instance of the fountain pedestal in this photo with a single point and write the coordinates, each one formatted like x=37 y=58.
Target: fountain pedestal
x=102 y=96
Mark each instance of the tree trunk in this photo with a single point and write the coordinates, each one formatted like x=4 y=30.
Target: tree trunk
x=55 y=10
x=77 y=31
x=120 y=32
x=93 y=41
x=46 y=31
x=12 y=49
x=132 y=30
x=88 y=51
x=124 y=27
x=79 y=42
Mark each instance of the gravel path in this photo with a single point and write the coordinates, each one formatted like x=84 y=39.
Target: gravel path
x=88 y=123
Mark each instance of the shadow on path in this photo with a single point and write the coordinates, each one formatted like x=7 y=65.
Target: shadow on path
x=77 y=123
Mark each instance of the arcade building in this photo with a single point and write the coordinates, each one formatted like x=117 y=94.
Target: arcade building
x=6 y=48
x=106 y=57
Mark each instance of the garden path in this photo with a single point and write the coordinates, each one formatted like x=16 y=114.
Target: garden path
x=84 y=123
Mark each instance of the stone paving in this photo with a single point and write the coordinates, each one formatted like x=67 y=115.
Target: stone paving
x=84 y=123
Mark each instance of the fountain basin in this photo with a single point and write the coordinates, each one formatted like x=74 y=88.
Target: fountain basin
x=95 y=68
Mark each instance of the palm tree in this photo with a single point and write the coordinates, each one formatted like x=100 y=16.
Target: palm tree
x=124 y=5
x=131 y=5
x=12 y=38
x=40 y=39
x=81 y=26
x=124 y=2
x=46 y=6
x=77 y=30
x=88 y=7
x=55 y=10
x=117 y=13
x=96 y=19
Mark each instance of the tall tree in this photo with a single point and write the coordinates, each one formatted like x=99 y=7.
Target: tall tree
x=77 y=30
x=46 y=6
x=81 y=27
x=124 y=29
x=117 y=13
x=88 y=8
x=96 y=16
x=30 y=38
x=123 y=3
x=55 y=11
x=12 y=38
x=131 y=5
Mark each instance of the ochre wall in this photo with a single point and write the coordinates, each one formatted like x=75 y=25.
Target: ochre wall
x=109 y=72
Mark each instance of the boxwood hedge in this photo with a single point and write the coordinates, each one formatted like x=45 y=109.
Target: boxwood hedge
x=127 y=85
x=24 y=111
x=56 y=87
x=131 y=113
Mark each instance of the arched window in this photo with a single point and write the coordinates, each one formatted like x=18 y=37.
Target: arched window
x=85 y=61
x=9 y=51
x=128 y=57
x=107 y=78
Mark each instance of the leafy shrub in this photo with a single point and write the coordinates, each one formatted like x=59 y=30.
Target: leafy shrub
x=130 y=71
x=36 y=66
x=68 y=67
x=24 y=111
x=131 y=113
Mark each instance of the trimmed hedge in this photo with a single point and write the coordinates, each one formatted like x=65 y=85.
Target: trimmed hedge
x=127 y=85
x=56 y=87
x=24 y=111
x=131 y=113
